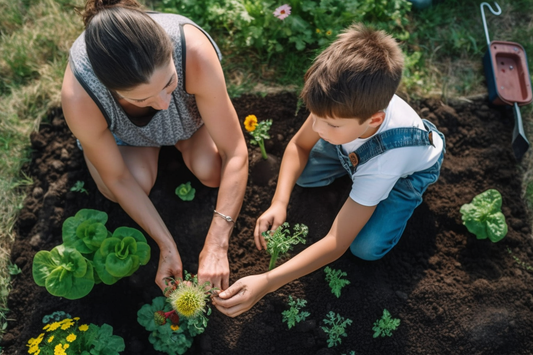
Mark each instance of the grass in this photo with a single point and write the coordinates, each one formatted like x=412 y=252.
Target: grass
x=443 y=59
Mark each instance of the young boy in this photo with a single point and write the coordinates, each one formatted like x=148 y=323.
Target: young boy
x=357 y=126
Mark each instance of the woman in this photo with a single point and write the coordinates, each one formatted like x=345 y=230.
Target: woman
x=137 y=81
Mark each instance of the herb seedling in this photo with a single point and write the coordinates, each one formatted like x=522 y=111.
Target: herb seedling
x=335 y=328
x=186 y=191
x=483 y=216
x=294 y=314
x=385 y=325
x=281 y=241
x=78 y=187
x=336 y=282
x=259 y=132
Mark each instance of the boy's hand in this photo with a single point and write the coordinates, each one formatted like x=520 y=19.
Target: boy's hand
x=270 y=220
x=242 y=295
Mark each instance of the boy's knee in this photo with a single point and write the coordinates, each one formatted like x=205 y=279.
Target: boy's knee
x=368 y=253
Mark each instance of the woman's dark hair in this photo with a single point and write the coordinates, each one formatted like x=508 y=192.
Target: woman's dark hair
x=124 y=44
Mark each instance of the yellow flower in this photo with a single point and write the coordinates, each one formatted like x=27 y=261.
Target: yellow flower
x=60 y=349
x=328 y=33
x=51 y=339
x=250 y=123
x=53 y=326
x=83 y=328
x=71 y=338
x=76 y=318
x=188 y=300
x=174 y=327
x=67 y=323
x=318 y=30
x=34 y=350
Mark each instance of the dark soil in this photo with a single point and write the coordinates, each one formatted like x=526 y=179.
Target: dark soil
x=453 y=293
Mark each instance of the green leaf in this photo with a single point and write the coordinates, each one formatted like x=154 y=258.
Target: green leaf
x=483 y=217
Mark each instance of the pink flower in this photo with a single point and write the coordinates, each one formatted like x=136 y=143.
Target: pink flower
x=283 y=12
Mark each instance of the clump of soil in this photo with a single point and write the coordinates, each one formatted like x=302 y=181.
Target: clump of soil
x=454 y=294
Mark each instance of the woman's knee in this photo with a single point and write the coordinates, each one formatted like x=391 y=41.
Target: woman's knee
x=367 y=252
x=208 y=170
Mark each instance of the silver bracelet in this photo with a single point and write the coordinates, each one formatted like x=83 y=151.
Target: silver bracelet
x=227 y=218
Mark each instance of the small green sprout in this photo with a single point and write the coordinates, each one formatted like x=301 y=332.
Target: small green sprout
x=335 y=328
x=186 y=191
x=78 y=187
x=13 y=269
x=385 y=325
x=336 y=282
x=294 y=315
x=281 y=240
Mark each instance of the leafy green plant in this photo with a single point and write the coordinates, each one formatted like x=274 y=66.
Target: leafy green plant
x=56 y=317
x=13 y=269
x=384 y=326
x=176 y=320
x=294 y=314
x=64 y=272
x=90 y=254
x=83 y=339
x=335 y=280
x=78 y=187
x=259 y=132
x=282 y=240
x=186 y=191
x=483 y=216
x=335 y=328
x=121 y=255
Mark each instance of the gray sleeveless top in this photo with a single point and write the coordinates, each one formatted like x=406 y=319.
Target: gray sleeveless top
x=167 y=127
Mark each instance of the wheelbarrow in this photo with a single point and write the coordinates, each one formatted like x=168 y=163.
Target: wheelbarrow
x=508 y=81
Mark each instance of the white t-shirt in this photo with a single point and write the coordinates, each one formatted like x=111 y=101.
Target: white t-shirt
x=374 y=180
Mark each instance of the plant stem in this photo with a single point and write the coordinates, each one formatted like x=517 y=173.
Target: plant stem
x=263 y=151
x=273 y=259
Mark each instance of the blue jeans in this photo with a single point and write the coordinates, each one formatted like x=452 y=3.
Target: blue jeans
x=386 y=225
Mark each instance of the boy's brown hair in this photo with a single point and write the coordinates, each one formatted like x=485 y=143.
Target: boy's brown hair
x=356 y=76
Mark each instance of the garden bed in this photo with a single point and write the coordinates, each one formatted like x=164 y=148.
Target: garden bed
x=454 y=294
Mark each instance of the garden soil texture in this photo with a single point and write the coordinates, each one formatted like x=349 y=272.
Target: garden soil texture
x=453 y=293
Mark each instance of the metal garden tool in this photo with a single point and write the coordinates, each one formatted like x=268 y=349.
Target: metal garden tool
x=508 y=80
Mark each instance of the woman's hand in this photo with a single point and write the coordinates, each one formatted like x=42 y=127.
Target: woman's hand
x=242 y=295
x=271 y=219
x=170 y=266
x=214 y=267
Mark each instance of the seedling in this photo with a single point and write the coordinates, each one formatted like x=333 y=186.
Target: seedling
x=384 y=326
x=259 y=132
x=336 y=282
x=78 y=187
x=294 y=314
x=281 y=241
x=186 y=191
x=335 y=328
x=483 y=216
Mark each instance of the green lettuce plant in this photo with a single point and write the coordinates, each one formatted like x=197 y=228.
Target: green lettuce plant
x=335 y=280
x=335 y=328
x=294 y=314
x=121 y=255
x=186 y=191
x=282 y=240
x=85 y=231
x=384 y=326
x=64 y=272
x=68 y=336
x=483 y=216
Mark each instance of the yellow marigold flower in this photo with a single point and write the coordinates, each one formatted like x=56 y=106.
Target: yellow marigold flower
x=83 y=328
x=174 y=327
x=67 y=324
x=53 y=326
x=51 y=339
x=71 y=337
x=329 y=32
x=46 y=327
x=318 y=30
x=34 y=350
x=250 y=123
x=60 y=349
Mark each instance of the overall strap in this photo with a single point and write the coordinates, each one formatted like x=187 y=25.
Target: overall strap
x=390 y=139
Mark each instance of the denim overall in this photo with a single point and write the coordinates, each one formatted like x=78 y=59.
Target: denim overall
x=386 y=225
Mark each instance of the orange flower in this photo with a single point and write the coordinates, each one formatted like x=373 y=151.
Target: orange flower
x=250 y=123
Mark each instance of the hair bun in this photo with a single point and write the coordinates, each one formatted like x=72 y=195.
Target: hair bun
x=93 y=7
